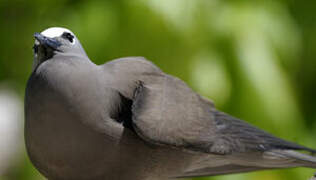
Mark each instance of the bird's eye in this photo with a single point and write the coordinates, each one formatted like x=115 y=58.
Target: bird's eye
x=68 y=36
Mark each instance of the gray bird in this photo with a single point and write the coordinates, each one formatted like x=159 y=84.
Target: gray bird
x=128 y=120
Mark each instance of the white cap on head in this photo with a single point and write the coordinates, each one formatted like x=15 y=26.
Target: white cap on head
x=55 y=32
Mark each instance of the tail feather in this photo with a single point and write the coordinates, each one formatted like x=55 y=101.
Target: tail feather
x=212 y=165
x=286 y=145
x=304 y=159
x=220 y=170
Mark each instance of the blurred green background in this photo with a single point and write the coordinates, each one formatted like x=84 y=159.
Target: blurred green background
x=255 y=59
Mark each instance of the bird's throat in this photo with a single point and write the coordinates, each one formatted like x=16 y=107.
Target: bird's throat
x=41 y=54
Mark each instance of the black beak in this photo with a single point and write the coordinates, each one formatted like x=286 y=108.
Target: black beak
x=47 y=42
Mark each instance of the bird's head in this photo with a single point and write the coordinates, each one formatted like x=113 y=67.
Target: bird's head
x=55 y=40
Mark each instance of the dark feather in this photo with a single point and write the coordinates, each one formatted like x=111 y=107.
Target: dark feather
x=239 y=136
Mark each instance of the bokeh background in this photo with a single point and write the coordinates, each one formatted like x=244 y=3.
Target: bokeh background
x=255 y=59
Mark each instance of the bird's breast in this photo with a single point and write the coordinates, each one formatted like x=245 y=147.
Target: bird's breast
x=58 y=142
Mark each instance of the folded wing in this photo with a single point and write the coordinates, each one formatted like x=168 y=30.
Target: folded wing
x=166 y=111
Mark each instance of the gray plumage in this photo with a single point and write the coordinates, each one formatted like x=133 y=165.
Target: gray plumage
x=126 y=119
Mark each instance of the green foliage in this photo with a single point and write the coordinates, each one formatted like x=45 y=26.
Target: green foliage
x=255 y=59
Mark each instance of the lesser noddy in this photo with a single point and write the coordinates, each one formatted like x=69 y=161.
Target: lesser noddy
x=128 y=120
